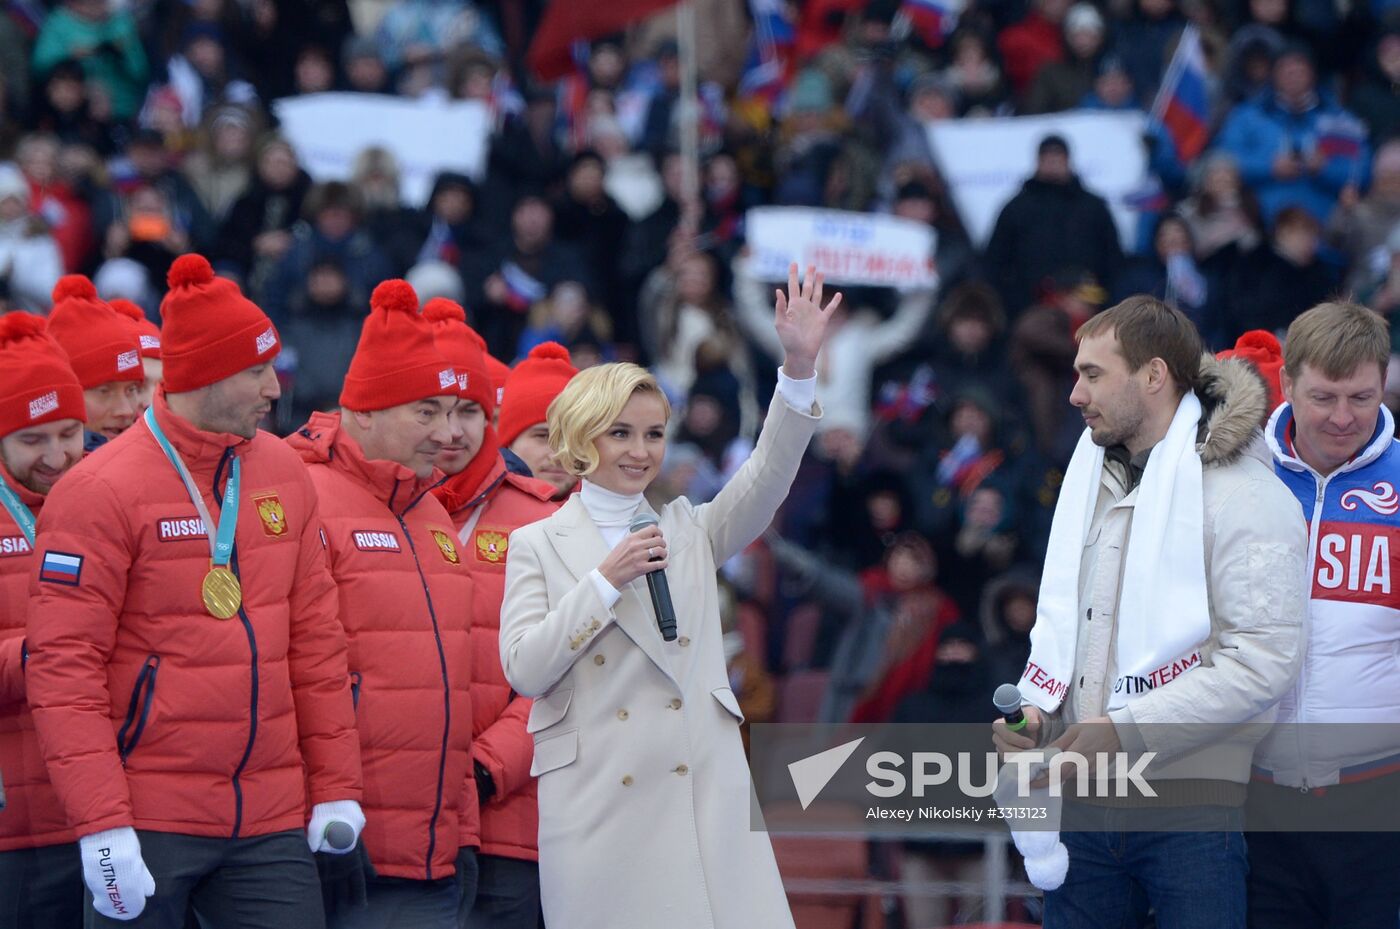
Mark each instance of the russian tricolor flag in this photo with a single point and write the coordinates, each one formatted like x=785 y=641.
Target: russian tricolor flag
x=765 y=72
x=932 y=20
x=522 y=290
x=61 y=568
x=1340 y=135
x=1181 y=105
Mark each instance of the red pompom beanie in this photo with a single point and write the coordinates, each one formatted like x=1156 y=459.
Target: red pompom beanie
x=37 y=384
x=100 y=343
x=147 y=331
x=396 y=361
x=1261 y=349
x=531 y=387
x=209 y=330
x=460 y=345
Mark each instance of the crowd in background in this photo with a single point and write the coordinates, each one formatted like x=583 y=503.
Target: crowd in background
x=899 y=582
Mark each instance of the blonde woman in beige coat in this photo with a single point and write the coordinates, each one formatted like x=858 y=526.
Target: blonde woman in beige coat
x=643 y=787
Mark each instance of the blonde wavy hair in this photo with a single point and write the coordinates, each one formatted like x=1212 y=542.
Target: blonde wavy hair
x=588 y=405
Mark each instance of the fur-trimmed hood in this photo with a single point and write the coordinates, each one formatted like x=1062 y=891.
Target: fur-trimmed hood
x=1236 y=403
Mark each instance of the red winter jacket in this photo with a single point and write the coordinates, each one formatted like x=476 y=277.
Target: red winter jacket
x=510 y=820
x=151 y=712
x=405 y=600
x=33 y=816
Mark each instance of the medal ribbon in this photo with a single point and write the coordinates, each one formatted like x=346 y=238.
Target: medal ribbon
x=18 y=511
x=221 y=536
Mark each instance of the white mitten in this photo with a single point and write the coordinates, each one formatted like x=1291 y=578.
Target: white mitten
x=324 y=816
x=1047 y=859
x=115 y=873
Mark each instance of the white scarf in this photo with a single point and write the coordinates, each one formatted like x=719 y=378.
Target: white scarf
x=1163 y=612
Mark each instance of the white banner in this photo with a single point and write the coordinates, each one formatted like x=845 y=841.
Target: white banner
x=847 y=248
x=985 y=162
x=426 y=136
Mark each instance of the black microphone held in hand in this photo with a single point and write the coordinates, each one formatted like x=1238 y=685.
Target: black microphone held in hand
x=656 y=583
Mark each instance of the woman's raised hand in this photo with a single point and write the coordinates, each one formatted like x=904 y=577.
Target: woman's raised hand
x=801 y=321
x=638 y=553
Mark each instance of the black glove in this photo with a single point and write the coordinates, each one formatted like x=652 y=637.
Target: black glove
x=344 y=878
x=485 y=784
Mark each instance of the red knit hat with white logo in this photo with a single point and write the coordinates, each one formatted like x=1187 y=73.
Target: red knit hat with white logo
x=460 y=344
x=147 y=331
x=37 y=384
x=531 y=388
x=396 y=361
x=101 y=344
x=209 y=330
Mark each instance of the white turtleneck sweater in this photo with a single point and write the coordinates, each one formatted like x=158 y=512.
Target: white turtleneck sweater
x=612 y=512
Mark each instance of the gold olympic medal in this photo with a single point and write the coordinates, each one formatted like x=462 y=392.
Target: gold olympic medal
x=222 y=593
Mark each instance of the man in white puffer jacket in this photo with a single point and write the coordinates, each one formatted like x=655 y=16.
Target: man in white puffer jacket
x=1334 y=447
x=1190 y=670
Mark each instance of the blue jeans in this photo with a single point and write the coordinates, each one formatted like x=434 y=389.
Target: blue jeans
x=1191 y=880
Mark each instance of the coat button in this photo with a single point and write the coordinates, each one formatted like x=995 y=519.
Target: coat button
x=676 y=703
x=598 y=659
x=682 y=770
x=595 y=625
x=1089 y=614
x=627 y=780
x=621 y=714
x=683 y=641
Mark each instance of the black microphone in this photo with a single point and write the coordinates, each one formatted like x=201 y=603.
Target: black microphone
x=656 y=583
x=1007 y=700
